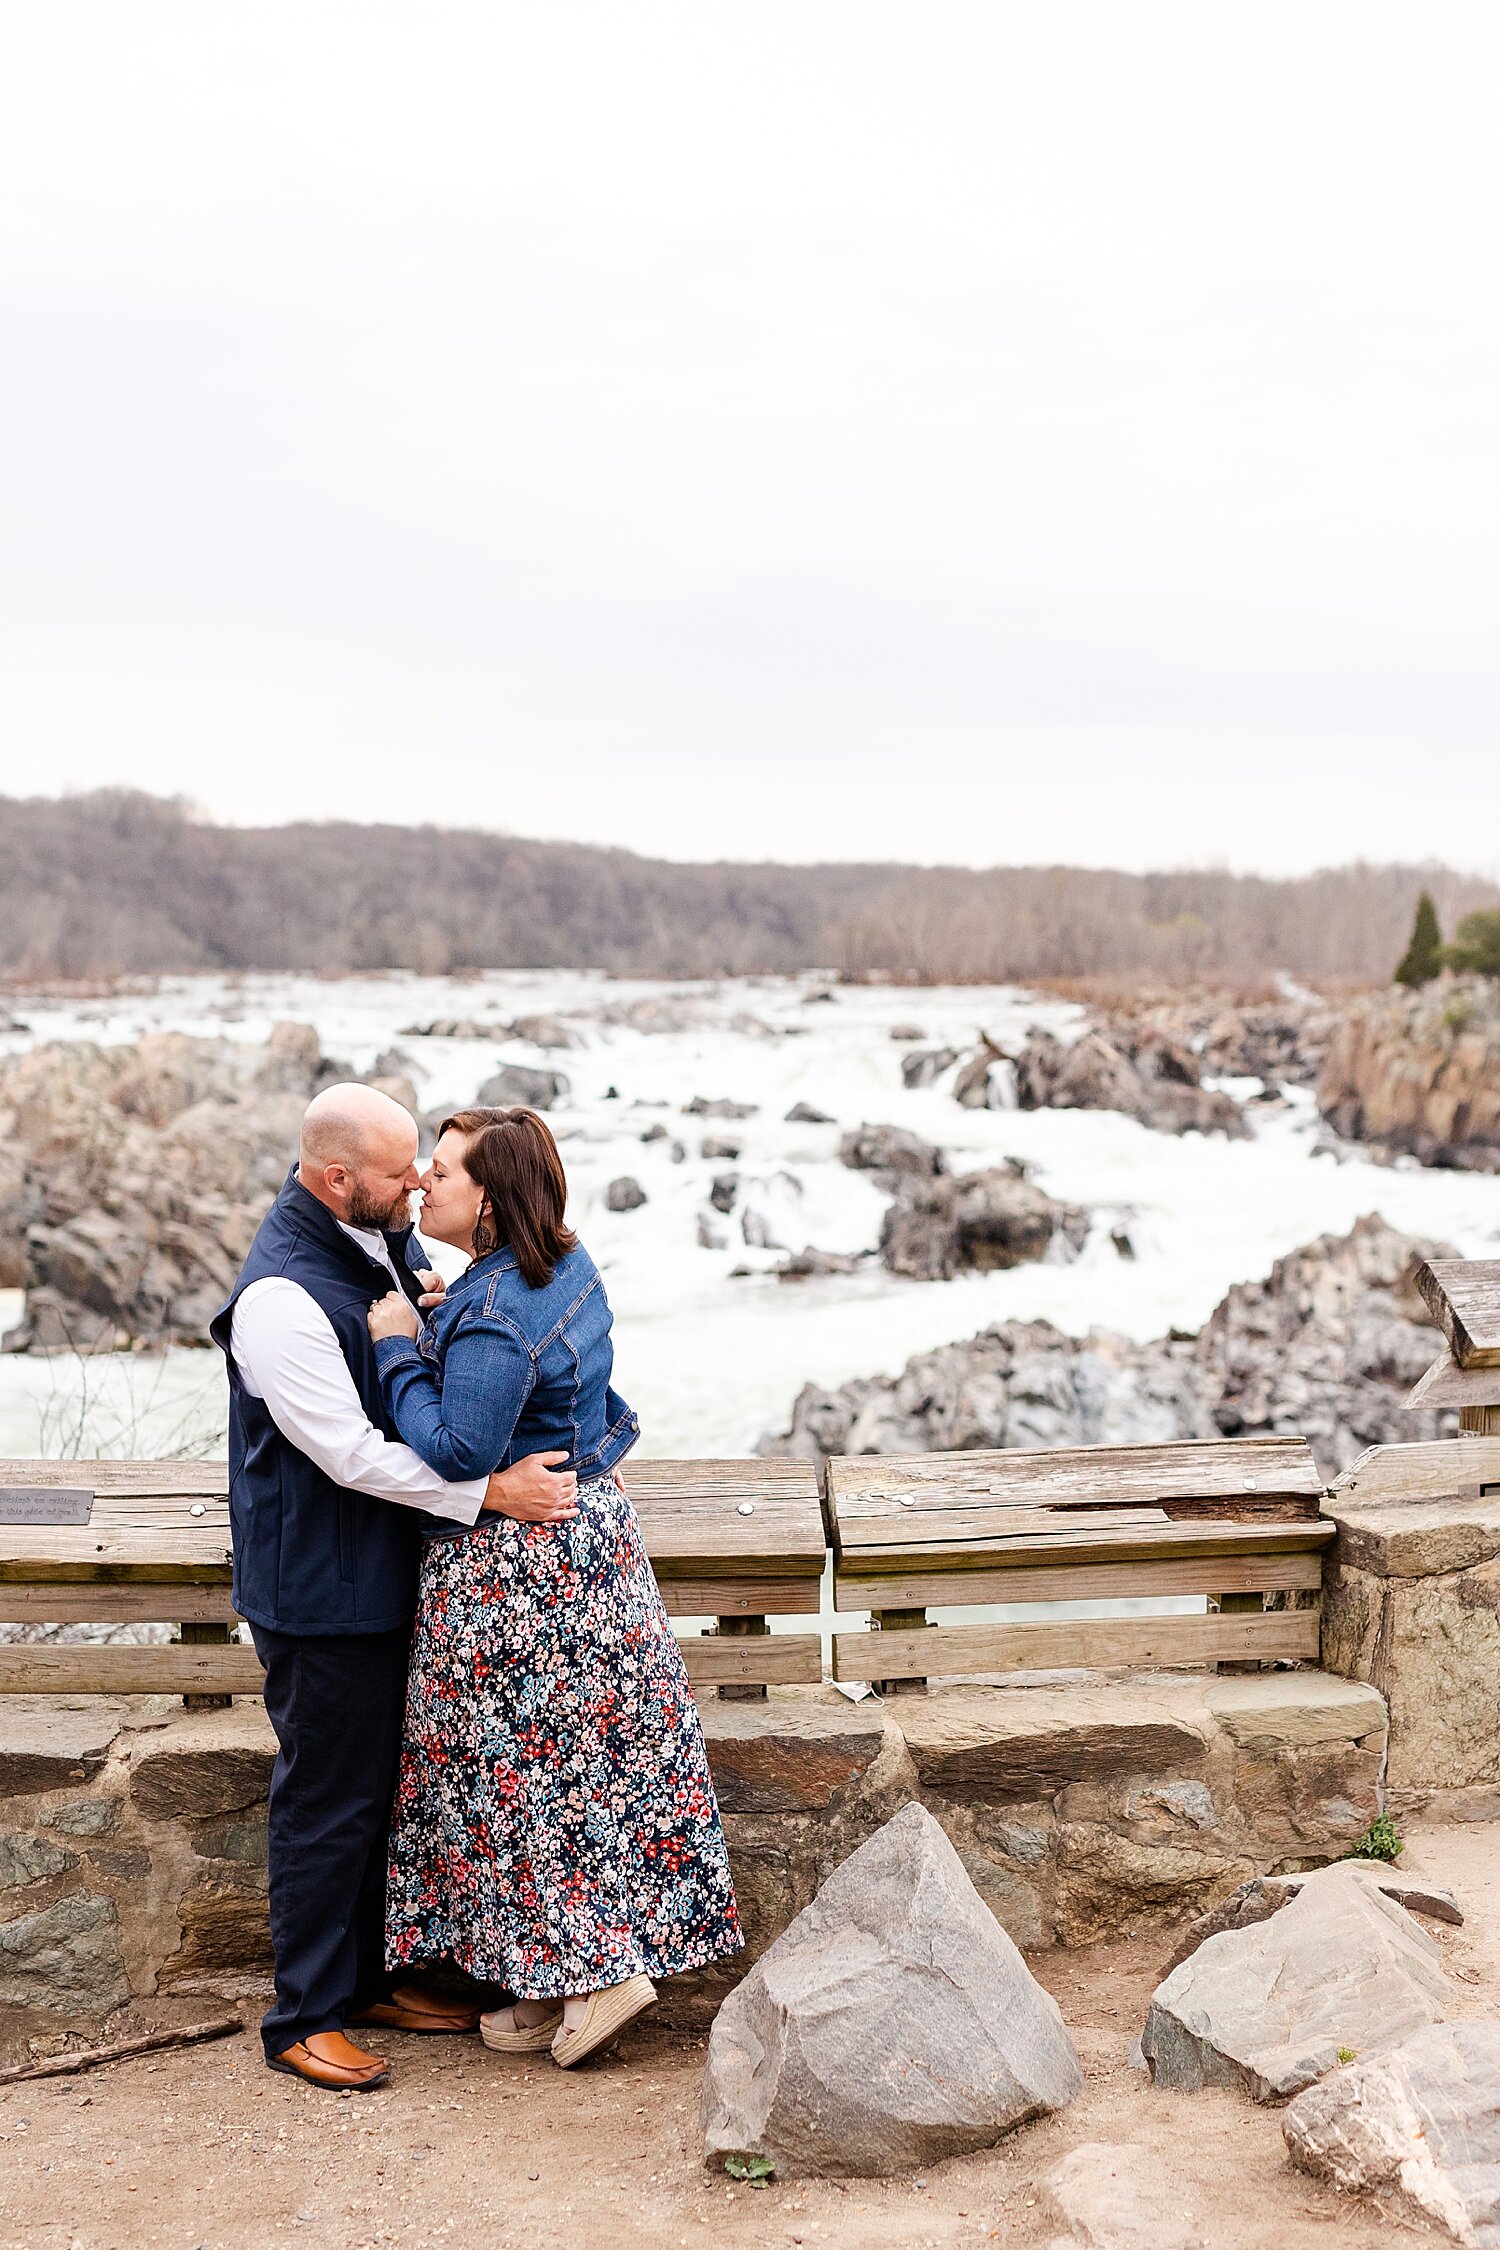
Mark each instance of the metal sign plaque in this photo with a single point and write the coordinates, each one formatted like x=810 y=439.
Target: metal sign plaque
x=46 y=1504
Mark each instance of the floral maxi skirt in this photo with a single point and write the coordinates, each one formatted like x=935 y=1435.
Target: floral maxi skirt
x=555 y=1828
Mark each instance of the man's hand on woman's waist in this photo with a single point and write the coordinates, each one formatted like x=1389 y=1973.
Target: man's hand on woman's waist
x=533 y=1491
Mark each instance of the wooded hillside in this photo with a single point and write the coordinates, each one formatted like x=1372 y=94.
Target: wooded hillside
x=119 y=882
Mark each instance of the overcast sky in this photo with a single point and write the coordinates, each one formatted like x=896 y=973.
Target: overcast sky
x=988 y=433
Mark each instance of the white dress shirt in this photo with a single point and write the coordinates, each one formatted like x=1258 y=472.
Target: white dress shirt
x=287 y=1354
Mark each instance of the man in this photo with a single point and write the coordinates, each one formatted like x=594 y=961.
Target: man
x=323 y=1507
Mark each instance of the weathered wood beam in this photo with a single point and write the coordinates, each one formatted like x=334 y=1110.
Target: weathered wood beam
x=1463 y=1296
x=1095 y=1643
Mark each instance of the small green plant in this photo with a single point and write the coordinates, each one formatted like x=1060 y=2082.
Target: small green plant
x=1346 y=2054
x=1458 y=1013
x=1379 y=1841
x=1423 y=957
x=758 y=2170
x=1476 y=949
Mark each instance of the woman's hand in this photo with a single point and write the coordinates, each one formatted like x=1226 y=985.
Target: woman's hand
x=393 y=1316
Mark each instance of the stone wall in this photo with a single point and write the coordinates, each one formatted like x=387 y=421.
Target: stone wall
x=132 y=1833
x=1411 y=1604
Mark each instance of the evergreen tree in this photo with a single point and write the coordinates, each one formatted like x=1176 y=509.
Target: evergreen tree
x=1423 y=958
x=1477 y=946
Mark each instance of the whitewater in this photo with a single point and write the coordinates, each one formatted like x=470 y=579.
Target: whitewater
x=711 y=1348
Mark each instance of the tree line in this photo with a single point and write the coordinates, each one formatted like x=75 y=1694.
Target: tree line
x=121 y=883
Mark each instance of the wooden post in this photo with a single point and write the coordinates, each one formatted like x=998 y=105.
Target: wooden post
x=1234 y=1605
x=900 y=1621
x=740 y=1628
x=216 y=1636
x=1479 y=1421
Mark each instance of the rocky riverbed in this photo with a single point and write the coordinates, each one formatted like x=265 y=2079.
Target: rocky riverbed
x=705 y=1130
x=1326 y=1347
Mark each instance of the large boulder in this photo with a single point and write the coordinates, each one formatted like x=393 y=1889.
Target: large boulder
x=1271 y=2007
x=990 y=1219
x=1420 y=2120
x=892 y=2024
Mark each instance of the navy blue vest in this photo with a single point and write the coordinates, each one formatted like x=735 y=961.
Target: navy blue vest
x=310 y=1556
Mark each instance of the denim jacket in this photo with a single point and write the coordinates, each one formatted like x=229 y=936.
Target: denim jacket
x=502 y=1370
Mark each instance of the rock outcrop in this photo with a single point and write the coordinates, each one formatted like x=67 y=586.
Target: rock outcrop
x=1421 y=2121
x=939 y=1222
x=1142 y=1071
x=1271 y=2007
x=1418 y=1073
x=1328 y=1347
x=994 y=1218
x=132 y=1178
x=893 y=2024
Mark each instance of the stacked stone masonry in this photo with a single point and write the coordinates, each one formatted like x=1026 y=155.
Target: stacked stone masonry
x=132 y=1834
x=1411 y=1604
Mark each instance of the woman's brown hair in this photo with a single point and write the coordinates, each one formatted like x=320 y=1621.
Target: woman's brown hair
x=513 y=1157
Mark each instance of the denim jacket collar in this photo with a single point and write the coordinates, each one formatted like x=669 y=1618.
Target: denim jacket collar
x=502 y=1260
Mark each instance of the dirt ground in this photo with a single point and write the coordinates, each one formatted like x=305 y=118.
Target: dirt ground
x=203 y=2149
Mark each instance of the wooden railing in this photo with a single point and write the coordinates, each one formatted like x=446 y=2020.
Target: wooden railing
x=1234 y=1520
x=741 y=1542
x=737 y=1541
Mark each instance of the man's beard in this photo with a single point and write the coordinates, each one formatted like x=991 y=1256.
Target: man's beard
x=367 y=1209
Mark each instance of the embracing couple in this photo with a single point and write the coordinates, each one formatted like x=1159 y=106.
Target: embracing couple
x=515 y=1786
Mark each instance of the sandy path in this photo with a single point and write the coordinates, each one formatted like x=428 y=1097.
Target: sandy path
x=205 y=2150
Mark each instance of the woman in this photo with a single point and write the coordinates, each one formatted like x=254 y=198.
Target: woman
x=555 y=1828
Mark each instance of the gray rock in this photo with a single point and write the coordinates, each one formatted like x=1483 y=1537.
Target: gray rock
x=85 y=1816
x=544 y=1031
x=723 y=1192
x=1269 y=2008
x=907 y=1031
x=890 y=1148
x=926 y=1064
x=1265 y=1895
x=893 y=2024
x=806 y=1265
x=1112 y=2196
x=518 y=1086
x=65 y=1958
x=47 y=1745
x=624 y=1194
x=29 y=1859
x=656 y=1132
x=1420 y=2120
x=1327 y=1345
x=992 y=1220
x=732 y=1112
x=720 y=1151
x=711 y=1236
x=803 y=1113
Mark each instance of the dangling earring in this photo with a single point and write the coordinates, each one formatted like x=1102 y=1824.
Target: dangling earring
x=482 y=1240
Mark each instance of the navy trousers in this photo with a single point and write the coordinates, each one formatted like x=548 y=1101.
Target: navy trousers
x=336 y=1703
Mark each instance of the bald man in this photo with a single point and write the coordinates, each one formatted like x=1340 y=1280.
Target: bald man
x=324 y=1506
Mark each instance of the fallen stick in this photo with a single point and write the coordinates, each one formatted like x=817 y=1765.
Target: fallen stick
x=89 y=2058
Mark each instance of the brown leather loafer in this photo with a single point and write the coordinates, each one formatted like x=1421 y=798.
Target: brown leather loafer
x=412 y=2008
x=330 y=2060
